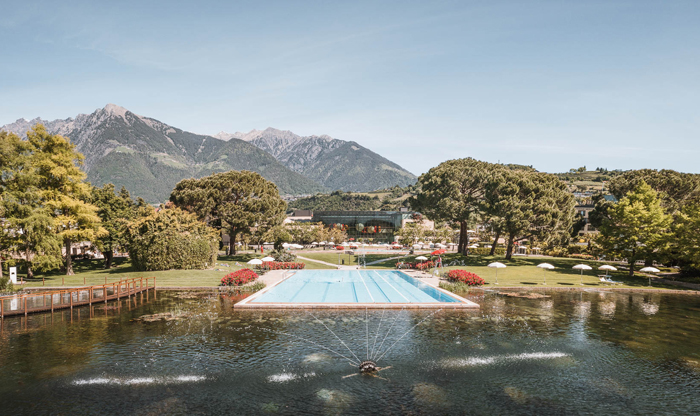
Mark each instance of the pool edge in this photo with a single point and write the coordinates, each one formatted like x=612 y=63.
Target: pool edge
x=461 y=303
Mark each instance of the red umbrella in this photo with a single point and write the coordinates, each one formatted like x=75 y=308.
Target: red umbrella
x=438 y=252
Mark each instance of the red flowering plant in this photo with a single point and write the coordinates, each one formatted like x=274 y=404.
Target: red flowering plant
x=463 y=276
x=282 y=265
x=339 y=248
x=239 y=278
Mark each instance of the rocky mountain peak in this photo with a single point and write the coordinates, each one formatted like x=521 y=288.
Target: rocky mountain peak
x=115 y=110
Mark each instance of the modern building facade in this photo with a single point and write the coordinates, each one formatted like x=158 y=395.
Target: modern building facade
x=370 y=226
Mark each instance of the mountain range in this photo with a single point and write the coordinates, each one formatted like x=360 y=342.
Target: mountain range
x=149 y=157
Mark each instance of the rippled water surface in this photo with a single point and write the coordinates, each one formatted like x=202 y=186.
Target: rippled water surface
x=569 y=353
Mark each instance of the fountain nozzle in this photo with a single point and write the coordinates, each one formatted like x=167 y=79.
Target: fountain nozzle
x=367 y=367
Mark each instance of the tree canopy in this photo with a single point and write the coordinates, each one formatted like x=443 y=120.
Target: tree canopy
x=675 y=189
x=636 y=227
x=234 y=201
x=45 y=198
x=115 y=211
x=453 y=191
x=517 y=202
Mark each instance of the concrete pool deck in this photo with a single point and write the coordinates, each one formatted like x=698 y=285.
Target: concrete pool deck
x=275 y=278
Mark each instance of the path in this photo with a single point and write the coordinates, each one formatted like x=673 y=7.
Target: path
x=387 y=259
x=318 y=261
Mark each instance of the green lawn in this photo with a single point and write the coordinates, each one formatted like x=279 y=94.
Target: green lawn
x=91 y=272
x=330 y=257
x=522 y=271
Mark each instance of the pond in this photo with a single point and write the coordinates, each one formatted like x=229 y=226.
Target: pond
x=572 y=352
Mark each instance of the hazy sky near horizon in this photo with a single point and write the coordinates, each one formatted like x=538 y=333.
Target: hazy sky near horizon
x=553 y=84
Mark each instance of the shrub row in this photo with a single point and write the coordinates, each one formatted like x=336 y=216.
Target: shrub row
x=282 y=265
x=417 y=265
x=483 y=251
x=171 y=239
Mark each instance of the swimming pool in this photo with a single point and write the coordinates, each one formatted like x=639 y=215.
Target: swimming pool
x=365 y=288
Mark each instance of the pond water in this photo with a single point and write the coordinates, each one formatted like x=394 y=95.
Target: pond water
x=570 y=353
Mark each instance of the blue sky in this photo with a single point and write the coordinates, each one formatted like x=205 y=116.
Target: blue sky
x=553 y=84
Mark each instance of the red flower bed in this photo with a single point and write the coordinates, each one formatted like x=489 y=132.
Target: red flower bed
x=339 y=248
x=463 y=276
x=282 y=265
x=239 y=278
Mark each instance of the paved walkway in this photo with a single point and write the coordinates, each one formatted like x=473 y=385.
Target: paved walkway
x=319 y=261
x=387 y=259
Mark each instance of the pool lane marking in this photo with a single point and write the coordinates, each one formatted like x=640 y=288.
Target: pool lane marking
x=390 y=285
x=395 y=277
x=379 y=288
x=298 y=291
x=363 y=282
x=325 y=292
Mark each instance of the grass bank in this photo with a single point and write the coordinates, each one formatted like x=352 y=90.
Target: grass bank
x=523 y=272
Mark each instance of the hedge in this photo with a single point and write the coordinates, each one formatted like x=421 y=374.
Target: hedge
x=171 y=239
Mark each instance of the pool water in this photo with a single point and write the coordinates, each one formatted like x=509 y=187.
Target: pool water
x=353 y=286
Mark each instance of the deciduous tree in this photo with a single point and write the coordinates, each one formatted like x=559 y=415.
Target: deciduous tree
x=636 y=227
x=115 y=211
x=28 y=226
x=63 y=190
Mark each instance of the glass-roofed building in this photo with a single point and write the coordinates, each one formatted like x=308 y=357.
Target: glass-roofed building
x=371 y=226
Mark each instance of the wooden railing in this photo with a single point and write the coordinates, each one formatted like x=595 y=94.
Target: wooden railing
x=59 y=299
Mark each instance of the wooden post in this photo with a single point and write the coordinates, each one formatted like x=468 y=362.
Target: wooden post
x=52 y=305
x=25 y=305
x=90 y=297
x=71 y=303
x=2 y=308
x=104 y=291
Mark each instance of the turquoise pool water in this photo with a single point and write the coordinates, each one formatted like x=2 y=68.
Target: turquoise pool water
x=353 y=286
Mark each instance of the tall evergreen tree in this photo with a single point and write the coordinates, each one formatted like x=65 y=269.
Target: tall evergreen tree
x=234 y=201
x=453 y=191
x=528 y=205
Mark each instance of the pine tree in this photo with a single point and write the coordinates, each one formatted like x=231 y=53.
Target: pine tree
x=452 y=192
x=234 y=201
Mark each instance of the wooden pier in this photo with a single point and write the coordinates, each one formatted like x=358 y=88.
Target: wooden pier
x=43 y=301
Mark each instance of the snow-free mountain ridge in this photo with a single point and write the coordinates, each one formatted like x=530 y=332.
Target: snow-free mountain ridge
x=149 y=157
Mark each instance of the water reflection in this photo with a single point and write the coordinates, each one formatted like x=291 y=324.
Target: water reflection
x=624 y=353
